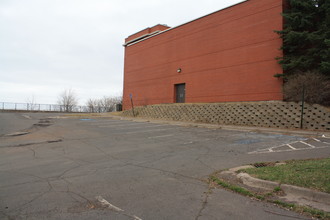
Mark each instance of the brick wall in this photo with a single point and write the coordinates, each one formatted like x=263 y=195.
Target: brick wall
x=275 y=114
x=226 y=56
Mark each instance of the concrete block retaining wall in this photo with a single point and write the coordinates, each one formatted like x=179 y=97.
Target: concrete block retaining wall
x=274 y=114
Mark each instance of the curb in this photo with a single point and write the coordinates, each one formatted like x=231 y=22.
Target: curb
x=303 y=196
x=254 y=182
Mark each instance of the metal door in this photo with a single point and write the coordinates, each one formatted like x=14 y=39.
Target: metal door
x=180 y=93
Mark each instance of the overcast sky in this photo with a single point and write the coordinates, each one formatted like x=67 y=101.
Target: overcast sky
x=47 y=46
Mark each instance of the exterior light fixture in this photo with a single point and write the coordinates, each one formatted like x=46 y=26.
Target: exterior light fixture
x=179 y=70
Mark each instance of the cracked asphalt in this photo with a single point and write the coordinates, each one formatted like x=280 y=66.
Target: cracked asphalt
x=59 y=168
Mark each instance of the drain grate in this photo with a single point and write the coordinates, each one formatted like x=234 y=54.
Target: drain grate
x=264 y=164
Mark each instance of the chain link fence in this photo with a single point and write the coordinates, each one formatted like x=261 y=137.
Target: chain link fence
x=56 y=108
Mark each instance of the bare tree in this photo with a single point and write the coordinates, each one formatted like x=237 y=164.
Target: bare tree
x=67 y=100
x=31 y=103
x=107 y=104
x=92 y=105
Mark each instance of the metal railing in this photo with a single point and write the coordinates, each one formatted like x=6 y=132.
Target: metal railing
x=55 y=108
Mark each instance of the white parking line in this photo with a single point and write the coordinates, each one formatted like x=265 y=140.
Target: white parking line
x=269 y=150
x=312 y=146
x=144 y=131
x=108 y=205
x=291 y=147
x=119 y=125
x=141 y=127
x=321 y=141
x=105 y=123
x=161 y=136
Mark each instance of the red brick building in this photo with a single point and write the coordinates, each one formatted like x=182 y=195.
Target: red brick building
x=225 y=56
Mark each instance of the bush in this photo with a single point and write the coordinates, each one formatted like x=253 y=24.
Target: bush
x=317 y=88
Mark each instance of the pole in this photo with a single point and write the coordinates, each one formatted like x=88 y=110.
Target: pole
x=302 y=107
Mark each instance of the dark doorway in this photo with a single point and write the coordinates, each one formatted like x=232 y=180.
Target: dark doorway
x=180 y=93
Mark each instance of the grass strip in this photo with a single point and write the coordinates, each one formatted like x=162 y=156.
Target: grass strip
x=302 y=209
x=312 y=174
x=297 y=208
x=234 y=188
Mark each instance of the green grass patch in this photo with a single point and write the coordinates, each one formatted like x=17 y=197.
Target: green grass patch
x=313 y=174
x=231 y=187
x=277 y=189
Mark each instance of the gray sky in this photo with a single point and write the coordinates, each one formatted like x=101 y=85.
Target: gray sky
x=47 y=46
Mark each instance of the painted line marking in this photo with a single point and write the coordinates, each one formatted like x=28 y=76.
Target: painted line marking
x=105 y=123
x=312 y=146
x=111 y=122
x=141 y=127
x=119 y=125
x=294 y=142
x=279 y=151
x=134 y=132
x=320 y=141
x=274 y=149
x=107 y=204
x=291 y=147
x=161 y=136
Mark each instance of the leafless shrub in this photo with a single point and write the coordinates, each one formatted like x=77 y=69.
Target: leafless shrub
x=317 y=88
x=105 y=104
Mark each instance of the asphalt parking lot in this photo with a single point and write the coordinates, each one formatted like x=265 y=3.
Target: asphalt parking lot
x=105 y=168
